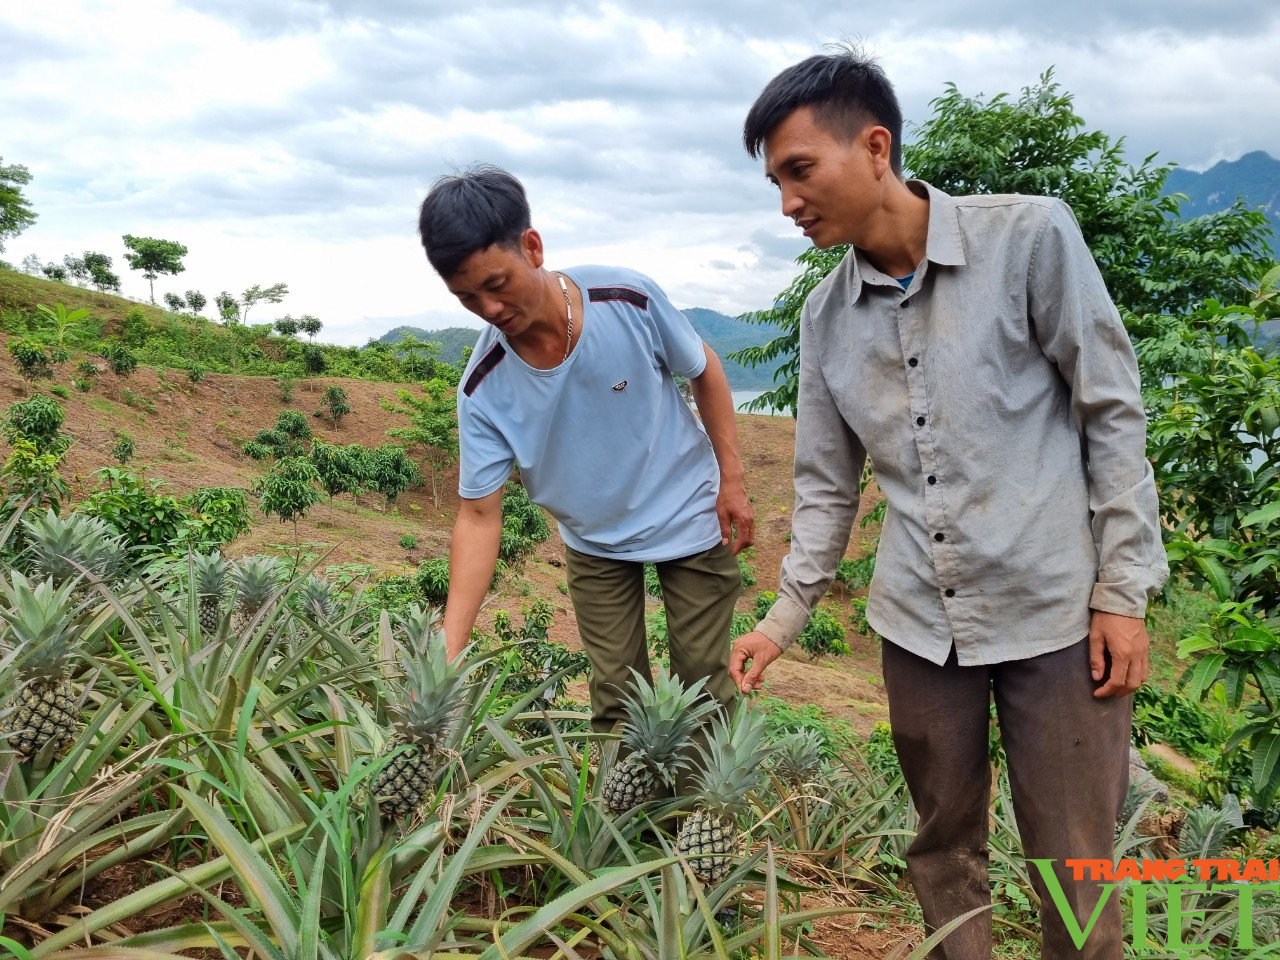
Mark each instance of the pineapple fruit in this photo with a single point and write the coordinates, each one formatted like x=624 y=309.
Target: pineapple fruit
x=41 y=639
x=427 y=702
x=732 y=766
x=256 y=580
x=211 y=572
x=656 y=735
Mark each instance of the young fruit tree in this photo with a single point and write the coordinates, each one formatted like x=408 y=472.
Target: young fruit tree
x=289 y=491
x=154 y=257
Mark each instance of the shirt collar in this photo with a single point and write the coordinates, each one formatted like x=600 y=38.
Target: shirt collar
x=943 y=243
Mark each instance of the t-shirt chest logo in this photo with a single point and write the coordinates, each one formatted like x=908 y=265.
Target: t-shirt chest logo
x=620 y=386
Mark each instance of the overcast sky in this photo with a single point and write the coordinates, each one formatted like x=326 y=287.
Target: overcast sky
x=292 y=140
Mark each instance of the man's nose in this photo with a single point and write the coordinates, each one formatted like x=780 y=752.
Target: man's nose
x=791 y=204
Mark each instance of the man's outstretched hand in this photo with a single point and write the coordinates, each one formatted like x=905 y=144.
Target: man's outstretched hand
x=759 y=651
x=1124 y=640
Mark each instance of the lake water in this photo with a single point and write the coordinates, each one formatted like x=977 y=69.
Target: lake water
x=741 y=397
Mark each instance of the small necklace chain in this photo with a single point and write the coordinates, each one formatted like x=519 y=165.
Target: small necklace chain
x=568 y=309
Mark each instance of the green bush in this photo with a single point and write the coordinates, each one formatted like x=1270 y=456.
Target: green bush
x=37 y=420
x=124 y=448
x=408 y=541
x=121 y=361
x=432 y=580
x=221 y=514
x=524 y=525
x=58 y=390
x=823 y=634
x=136 y=510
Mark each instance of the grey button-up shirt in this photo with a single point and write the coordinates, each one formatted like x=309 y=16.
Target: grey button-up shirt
x=998 y=399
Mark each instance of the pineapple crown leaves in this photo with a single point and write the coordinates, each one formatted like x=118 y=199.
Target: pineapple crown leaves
x=256 y=579
x=43 y=620
x=797 y=757
x=429 y=695
x=733 y=762
x=211 y=573
x=64 y=547
x=662 y=717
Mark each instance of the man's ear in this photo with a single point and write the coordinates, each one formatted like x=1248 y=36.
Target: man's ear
x=879 y=143
x=531 y=247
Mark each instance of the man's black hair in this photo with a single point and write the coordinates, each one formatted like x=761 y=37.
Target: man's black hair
x=847 y=91
x=469 y=211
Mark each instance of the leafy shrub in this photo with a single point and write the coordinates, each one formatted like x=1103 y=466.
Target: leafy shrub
x=37 y=420
x=652 y=585
x=342 y=469
x=82 y=384
x=408 y=541
x=432 y=580
x=335 y=403
x=256 y=450
x=822 y=635
x=58 y=390
x=121 y=361
x=195 y=373
x=221 y=514
x=137 y=401
x=392 y=471
x=747 y=571
x=34 y=361
x=293 y=424
x=286 y=389
x=136 y=510
x=124 y=448
x=288 y=491
x=524 y=525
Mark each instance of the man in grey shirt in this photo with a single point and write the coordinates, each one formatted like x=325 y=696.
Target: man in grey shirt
x=968 y=346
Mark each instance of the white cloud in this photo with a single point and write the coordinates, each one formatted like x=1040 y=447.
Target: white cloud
x=292 y=140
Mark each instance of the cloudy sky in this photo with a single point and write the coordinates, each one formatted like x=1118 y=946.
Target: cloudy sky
x=292 y=140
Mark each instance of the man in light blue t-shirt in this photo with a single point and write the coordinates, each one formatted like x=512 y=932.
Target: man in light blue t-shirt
x=571 y=383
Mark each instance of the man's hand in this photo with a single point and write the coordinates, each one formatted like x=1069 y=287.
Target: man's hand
x=736 y=516
x=758 y=650
x=1125 y=639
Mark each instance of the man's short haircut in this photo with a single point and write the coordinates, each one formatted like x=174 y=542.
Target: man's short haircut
x=847 y=91
x=470 y=211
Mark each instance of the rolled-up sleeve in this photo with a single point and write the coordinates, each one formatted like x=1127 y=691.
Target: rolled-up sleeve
x=1080 y=331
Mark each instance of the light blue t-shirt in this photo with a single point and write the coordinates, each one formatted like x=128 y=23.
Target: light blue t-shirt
x=604 y=441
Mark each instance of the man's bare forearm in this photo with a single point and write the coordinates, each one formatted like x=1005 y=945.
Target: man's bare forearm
x=473 y=554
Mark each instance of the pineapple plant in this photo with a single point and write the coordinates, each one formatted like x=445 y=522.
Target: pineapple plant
x=656 y=735
x=316 y=600
x=255 y=580
x=211 y=572
x=58 y=547
x=732 y=766
x=797 y=758
x=41 y=638
x=426 y=702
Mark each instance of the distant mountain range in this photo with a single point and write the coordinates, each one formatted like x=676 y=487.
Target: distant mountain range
x=724 y=334
x=1255 y=177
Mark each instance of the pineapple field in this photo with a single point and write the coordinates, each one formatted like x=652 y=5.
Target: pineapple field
x=228 y=727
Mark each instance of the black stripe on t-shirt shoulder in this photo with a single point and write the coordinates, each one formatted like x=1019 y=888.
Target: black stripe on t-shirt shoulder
x=633 y=297
x=484 y=368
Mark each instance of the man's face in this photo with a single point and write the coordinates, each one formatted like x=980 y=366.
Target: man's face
x=830 y=188
x=502 y=285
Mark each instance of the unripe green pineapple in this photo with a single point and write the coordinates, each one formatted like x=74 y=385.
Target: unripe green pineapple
x=657 y=733
x=426 y=702
x=42 y=621
x=732 y=766
x=211 y=573
x=255 y=580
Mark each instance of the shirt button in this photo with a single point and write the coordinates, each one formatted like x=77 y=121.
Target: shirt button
x=939 y=537
x=950 y=592
x=913 y=362
x=919 y=421
x=932 y=480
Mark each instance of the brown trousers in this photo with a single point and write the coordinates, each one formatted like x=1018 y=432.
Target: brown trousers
x=698 y=592
x=1068 y=772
